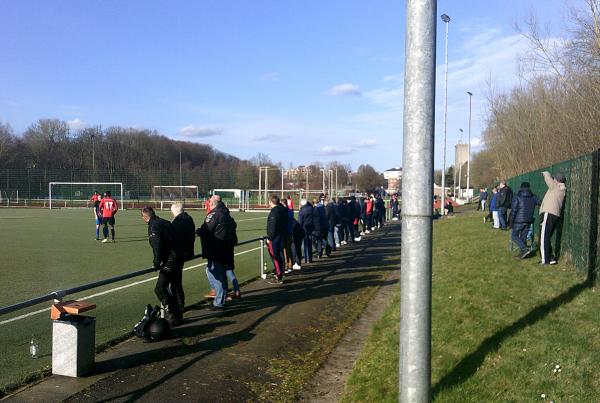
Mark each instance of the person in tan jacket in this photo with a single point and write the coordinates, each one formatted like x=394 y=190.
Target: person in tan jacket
x=550 y=211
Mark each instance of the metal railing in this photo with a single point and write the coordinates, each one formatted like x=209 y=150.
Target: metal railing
x=60 y=294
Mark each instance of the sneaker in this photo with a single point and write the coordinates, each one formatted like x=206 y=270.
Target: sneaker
x=296 y=267
x=362 y=233
x=211 y=294
x=97 y=239
x=105 y=240
x=553 y=261
x=337 y=245
x=276 y=280
x=367 y=231
x=237 y=295
x=288 y=271
x=357 y=239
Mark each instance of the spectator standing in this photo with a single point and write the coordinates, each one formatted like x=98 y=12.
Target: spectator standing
x=505 y=195
x=333 y=220
x=494 y=209
x=395 y=206
x=305 y=219
x=276 y=232
x=161 y=239
x=184 y=236
x=217 y=235
x=550 y=212
x=483 y=196
x=521 y=217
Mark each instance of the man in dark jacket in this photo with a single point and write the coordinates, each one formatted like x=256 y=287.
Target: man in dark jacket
x=353 y=215
x=521 y=214
x=276 y=232
x=320 y=234
x=184 y=235
x=161 y=239
x=218 y=240
x=505 y=196
x=333 y=221
x=305 y=219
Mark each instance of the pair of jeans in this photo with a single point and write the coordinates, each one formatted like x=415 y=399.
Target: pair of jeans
x=307 y=248
x=317 y=239
x=297 y=250
x=519 y=235
x=331 y=237
x=483 y=205
x=215 y=272
x=230 y=275
x=502 y=217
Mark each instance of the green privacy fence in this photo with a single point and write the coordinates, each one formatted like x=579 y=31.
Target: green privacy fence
x=578 y=235
x=33 y=183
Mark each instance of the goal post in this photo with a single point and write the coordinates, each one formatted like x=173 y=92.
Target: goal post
x=231 y=197
x=81 y=191
x=175 y=192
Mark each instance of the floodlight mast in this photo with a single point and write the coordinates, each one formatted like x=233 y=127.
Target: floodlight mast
x=417 y=199
x=446 y=20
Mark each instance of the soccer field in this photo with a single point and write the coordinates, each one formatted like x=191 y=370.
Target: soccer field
x=44 y=251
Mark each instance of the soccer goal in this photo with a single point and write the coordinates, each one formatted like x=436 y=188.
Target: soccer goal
x=78 y=194
x=233 y=198
x=188 y=192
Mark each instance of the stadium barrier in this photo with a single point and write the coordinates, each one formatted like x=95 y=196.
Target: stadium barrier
x=578 y=235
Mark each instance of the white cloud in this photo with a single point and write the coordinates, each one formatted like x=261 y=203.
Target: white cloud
x=345 y=89
x=270 y=137
x=367 y=143
x=272 y=77
x=476 y=142
x=76 y=124
x=194 y=131
x=333 y=150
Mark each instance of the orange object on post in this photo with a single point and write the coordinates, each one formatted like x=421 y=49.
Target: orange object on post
x=72 y=307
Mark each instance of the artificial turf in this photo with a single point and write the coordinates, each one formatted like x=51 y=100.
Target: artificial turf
x=45 y=250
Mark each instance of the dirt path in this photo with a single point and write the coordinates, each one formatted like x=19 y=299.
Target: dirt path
x=268 y=346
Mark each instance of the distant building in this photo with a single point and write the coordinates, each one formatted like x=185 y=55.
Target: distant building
x=394 y=179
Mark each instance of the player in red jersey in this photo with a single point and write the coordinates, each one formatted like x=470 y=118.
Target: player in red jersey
x=207 y=206
x=108 y=208
x=95 y=199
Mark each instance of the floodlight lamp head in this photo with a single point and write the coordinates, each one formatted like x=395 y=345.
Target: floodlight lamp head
x=470 y=93
x=445 y=18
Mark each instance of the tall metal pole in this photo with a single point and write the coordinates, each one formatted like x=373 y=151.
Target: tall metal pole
x=446 y=20
x=336 y=182
x=266 y=185
x=260 y=186
x=469 y=157
x=417 y=198
x=180 y=177
x=281 y=183
x=323 y=171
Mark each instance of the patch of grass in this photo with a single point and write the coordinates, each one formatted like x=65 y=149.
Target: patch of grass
x=499 y=327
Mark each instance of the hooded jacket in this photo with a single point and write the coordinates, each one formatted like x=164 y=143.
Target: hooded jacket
x=523 y=206
x=277 y=222
x=305 y=218
x=212 y=247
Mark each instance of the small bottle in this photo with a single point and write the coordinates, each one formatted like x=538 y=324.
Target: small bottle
x=33 y=347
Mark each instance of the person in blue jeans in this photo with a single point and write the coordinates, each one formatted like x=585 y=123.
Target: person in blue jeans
x=521 y=217
x=505 y=196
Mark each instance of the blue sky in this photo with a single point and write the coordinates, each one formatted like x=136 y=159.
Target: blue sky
x=301 y=81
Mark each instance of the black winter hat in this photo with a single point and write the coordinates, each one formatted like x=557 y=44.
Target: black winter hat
x=525 y=185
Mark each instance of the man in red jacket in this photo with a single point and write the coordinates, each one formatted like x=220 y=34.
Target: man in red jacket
x=108 y=208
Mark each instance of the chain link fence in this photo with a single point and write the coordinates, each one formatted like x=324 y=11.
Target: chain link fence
x=578 y=235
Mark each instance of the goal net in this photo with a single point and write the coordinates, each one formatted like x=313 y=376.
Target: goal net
x=79 y=194
x=233 y=198
x=180 y=193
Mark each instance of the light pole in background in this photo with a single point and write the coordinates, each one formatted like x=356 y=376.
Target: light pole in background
x=323 y=171
x=469 y=158
x=330 y=174
x=460 y=164
x=446 y=20
x=281 y=183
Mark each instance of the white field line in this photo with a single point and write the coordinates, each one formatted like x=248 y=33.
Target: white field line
x=250 y=219
x=114 y=290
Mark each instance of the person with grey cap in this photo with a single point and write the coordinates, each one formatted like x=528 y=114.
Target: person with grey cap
x=550 y=213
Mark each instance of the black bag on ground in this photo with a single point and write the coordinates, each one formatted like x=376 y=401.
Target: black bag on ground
x=141 y=329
